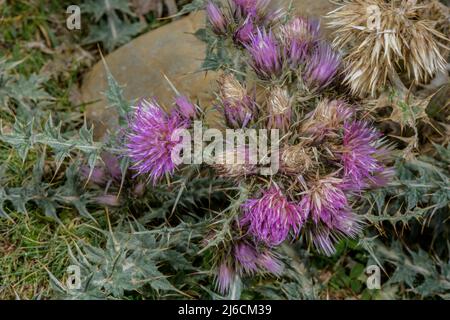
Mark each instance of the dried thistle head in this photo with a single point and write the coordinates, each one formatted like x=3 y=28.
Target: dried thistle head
x=238 y=106
x=236 y=163
x=297 y=159
x=327 y=117
x=279 y=108
x=385 y=39
x=230 y=88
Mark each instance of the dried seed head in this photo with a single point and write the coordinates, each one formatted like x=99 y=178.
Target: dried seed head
x=297 y=159
x=279 y=105
x=327 y=117
x=230 y=88
x=279 y=101
x=385 y=37
x=238 y=106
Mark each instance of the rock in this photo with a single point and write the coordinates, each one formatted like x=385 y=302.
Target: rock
x=170 y=50
x=140 y=66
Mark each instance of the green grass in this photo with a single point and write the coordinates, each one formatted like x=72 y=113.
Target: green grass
x=31 y=247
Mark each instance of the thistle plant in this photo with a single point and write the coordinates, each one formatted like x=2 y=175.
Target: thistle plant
x=300 y=213
x=328 y=155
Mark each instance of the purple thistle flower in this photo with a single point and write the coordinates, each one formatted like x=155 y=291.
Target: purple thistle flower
x=265 y=54
x=271 y=217
x=150 y=140
x=245 y=8
x=246 y=256
x=361 y=156
x=238 y=107
x=237 y=114
x=270 y=263
x=323 y=240
x=249 y=259
x=103 y=174
x=245 y=32
x=185 y=107
x=322 y=66
x=299 y=35
x=327 y=206
x=296 y=52
x=225 y=277
x=216 y=18
x=246 y=259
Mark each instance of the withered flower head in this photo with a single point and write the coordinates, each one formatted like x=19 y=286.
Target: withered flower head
x=297 y=159
x=238 y=106
x=383 y=39
x=279 y=105
x=327 y=117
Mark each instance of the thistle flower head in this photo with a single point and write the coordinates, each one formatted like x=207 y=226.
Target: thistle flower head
x=322 y=66
x=361 y=156
x=185 y=107
x=244 y=33
x=270 y=263
x=326 y=205
x=265 y=54
x=225 y=277
x=246 y=259
x=150 y=141
x=327 y=118
x=271 y=217
x=297 y=159
x=385 y=38
x=279 y=108
x=254 y=8
x=302 y=29
x=216 y=18
x=246 y=256
x=238 y=106
x=250 y=259
x=298 y=35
